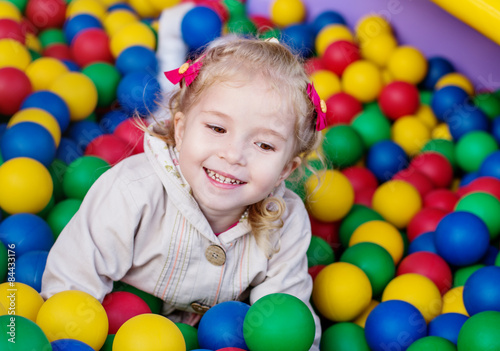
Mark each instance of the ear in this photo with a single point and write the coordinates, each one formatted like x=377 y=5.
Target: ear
x=289 y=168
x=179 y=127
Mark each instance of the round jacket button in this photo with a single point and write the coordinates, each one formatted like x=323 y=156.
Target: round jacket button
x=215 y=255
x=199 y=308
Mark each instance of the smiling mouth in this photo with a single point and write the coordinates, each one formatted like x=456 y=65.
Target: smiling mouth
x=221 y=179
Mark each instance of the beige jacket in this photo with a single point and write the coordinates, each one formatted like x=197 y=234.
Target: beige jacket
x=140 y=225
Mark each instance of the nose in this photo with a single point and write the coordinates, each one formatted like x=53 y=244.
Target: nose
x=233 y=152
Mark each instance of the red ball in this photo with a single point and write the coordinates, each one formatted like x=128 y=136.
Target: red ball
x=109 y=147
x=15 y=86
x=340 y=54
x=129 y=132
x=262 y=23
x=426 y=220
x=435 y=166
x=429 y=265
x=314 y=270
x=341 y=108
x=91 y=45
x=314 y=64
x=120 y=306
x=419 y=180
x=10 y=29
x=398 y=99
x=46 y=14
x=443 y=199
x=488 y=185
x=360 y=178
x=364 y=197
x=58 y=51
x=328 y=231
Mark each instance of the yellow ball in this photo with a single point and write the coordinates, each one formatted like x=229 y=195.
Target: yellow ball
x=33 y=43
x=116 y=20
x=379 y=49
x=330 y=34
x=144 y=8
x=74 y=314
x=14 y=54
x=91 y=7
x=2 y=310
x=26 y=186
x=149 y=332
x=453 y=301
x=363 y=80
x=39 y=116
x=341 y=291
x=426 y=116
x=397 y=202
x=361 y=319
x=20 y=299
x=408 y=64
x=79 y=93
x=381 y=233
x=411 y=133
x=163 y=4
x=287 y=12
x=386 y=77
x=44 y=71
x=326 y=83
x=372 y=26
x=441 y=131
x=418 y=291
x=133 y=34
x=331 y=198
x=457 y=79
x=9 y=11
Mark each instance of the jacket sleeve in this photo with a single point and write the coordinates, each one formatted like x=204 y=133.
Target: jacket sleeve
x=96 y=246
x=287 y=269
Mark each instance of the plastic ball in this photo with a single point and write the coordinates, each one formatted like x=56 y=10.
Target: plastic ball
x=91 y=45
x=117 y=19
x=14 y=54
x=9 y=10
x=106 y=79
x=341 y=108
x=486 y=207
x=463 y=273
x=331 y=197
x=11 y=29
x=287 y=12
x=363 y=80
x=330 y=34
x=488 y=103
x=70 y=345
x=435 y=166
x=15 y=86
x=61 y=214
x=30 y=268
x=137 y=93
x=441 y=198
x=437 y=68
x=133 y=34
x=372 y=26
x=456 y=79
x=473 y=148
x=358 y=215
x=300 y=38
x=27 y=302
x=26 y=186
x=432 y=343
x=360 y=178
x=410 y=133
x=120 y=306
x=372 y=126
x=341 y=291
x=481 y=290
x=81 y=174
x=453 y=301
x=131 y=134
x=461 y=238
x=408 y=64
x=313 y=64
x=423 y=242
x=109 y=147
x=136 y=58
x=425 y=114
x=488 y=185
x=83 y=132
x=444 y=147
x=419 y=180
x=391 y=319
x=361 y=319
x=447 y=326
x=326 y=83
x=78 y=23
x=43 y=71
x=190 y=335
x=325 y=18
x=93 y=7
x=344 y=336
x=398 y=99
x=199 y=26
x=480 y=332
x=386 y=158
x=112 y=119
x=65 y=308
x=46 y=13
x=447 y=99
x=490 y=166
x=466 y=119
x=379 y=49
x=319 y=252
x=339 y=55
x=38 y=116
x=79 y=93
x=51 y=37
x=50 y=102
x=342 y=146
x=26 y=334
x=426 y=220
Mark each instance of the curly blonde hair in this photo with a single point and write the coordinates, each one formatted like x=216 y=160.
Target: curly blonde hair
x=229 y=57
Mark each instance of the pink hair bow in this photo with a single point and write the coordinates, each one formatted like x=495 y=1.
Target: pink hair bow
x=186 y=71
x=319 y=106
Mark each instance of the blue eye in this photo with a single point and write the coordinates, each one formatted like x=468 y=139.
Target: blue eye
x=264 y=146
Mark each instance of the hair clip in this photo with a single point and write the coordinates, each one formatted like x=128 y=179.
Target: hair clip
x=273 y=40
x=319 y=107
x=187 y=71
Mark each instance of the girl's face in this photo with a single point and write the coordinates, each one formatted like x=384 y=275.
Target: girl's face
x=235 y=146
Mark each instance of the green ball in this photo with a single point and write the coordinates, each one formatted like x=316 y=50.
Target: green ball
x=473 y=148
x=488 y=103
x=443 y=147
x=432 y=343
x=375 y=261
x=486 y=207
x=51 y=36
x=241 y=25
x=279 y=322
x=155 y=303
x=480 y=332
x=342 y=146
x=61 y=214
x=57 y=169
x=235 y=8
x=20 y=4
x=372 y=126
x=81 y=174
x=190 y=335
x=27 y=335
x=296 y=181
x=319 y=252
x=358 y=215
x=271 y=33
x=106 y=79
x=426 y=96
x=3 y=262
x=108 y=344
x=344 y=336
x=462 y=274
x=34 y=54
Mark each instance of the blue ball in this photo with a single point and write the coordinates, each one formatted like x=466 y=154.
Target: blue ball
x=112 y=119
x=121 y=6
x=222 y=326
x=467 y=178
x=437 y=67
x=326 y=18
x=465 y=119
x=448 y=99
x=423 y=242
x=71 y=65
x=481 y=290
x=386 y=158
x=3 y=128
x=68 y=150
x=28 y=139
x=52 y=103
x=491 y=165
x=461 y=238
x=137 y=58
x=27 y=232
x=138 y=92
x=300 y=38
x=83 y=132
x=495 y=129
x=490 y=256
x=30 y=268
x=447 y=326
x=200 y=26
x=70 y=345
x=394 y=325
x=73 y=26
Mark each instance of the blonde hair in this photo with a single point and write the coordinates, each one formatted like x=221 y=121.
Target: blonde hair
x=227 y=58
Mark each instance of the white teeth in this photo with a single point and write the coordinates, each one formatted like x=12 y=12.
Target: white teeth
x=221 y=179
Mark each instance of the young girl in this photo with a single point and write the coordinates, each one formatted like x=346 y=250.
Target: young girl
x=203 y=215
